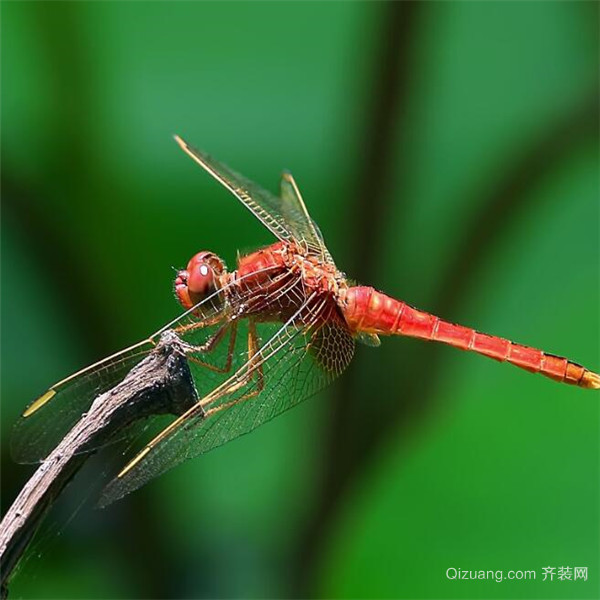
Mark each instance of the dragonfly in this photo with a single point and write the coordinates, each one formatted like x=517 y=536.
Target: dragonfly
x=260 y=339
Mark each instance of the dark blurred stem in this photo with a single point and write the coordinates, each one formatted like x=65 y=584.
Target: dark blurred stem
x=390 y=87
x=39 y=208
x=353 y=439
x=391 y=67
x=504 y=203
x=162 y=383
x=61 y=267
x=71 y=109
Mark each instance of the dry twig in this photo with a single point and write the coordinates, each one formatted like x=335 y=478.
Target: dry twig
x=161 y=383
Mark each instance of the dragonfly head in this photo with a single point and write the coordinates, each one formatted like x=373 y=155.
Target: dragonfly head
x=200 y=278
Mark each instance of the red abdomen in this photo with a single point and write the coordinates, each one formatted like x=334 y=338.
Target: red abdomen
x=369 y=311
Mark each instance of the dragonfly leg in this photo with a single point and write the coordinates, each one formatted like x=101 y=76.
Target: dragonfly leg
x=212 y=343
x=254 y=372
x=182 y=329
x=198 y=408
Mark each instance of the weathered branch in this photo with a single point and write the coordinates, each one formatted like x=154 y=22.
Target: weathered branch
x=160 y=384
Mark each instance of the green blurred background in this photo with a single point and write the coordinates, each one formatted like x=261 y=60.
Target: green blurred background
x=449 y=153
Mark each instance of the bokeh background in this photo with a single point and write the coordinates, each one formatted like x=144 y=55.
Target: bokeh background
x=449 y=152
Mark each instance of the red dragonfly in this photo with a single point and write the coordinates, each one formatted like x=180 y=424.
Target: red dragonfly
x=260 y=339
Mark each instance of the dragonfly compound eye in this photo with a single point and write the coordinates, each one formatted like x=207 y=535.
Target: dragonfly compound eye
x=201 y=280
x=202 y=273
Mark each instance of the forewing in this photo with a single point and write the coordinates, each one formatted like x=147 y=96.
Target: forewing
x=49 y=418
x=295 y=213
x=286 y=217
x=295 y=362
x=263 y=204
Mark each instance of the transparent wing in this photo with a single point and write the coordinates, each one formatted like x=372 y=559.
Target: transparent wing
x=46 y=421
x=299 y=358
x=49 y=418
x=295 y=213
x=286 y=217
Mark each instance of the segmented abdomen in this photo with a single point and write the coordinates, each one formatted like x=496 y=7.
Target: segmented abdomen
x=370 y=311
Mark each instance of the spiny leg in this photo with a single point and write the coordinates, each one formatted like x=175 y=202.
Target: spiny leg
x=212 y=343
x=183 y=329
x=198 y=408
x=253 y=371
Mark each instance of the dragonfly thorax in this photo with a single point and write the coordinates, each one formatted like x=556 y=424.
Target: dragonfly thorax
x=199 y=279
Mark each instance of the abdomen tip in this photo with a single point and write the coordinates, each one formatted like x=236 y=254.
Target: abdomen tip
x=590 y=381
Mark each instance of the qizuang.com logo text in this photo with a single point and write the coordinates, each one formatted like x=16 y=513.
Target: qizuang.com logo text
x=489 y=575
